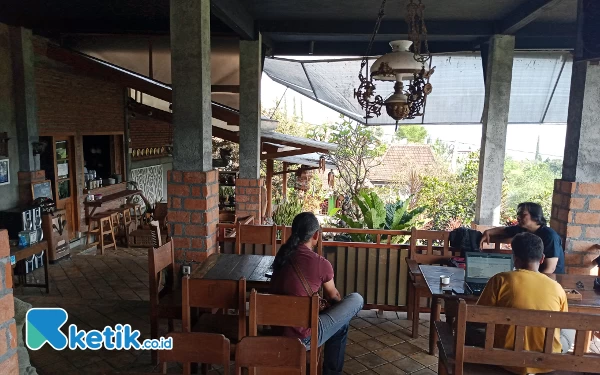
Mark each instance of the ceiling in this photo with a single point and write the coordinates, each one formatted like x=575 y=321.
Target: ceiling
x=338 y=27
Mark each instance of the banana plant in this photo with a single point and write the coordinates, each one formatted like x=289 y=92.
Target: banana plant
x=377 y=215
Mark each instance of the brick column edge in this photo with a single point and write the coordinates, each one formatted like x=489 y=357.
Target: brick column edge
x=193 y=215
x=248 y=198
x=9 y=363
x=576 y=218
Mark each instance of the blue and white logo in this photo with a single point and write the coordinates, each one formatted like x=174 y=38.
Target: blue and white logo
x=43 y=326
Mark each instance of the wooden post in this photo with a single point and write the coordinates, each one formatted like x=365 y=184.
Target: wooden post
x=285 y=167
x=269 y=183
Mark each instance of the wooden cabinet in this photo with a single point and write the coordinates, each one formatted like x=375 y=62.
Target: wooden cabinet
x=56 y=233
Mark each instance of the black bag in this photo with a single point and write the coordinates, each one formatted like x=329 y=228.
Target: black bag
x=465 y=239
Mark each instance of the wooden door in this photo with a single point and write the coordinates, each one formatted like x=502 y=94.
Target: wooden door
x=64 y=181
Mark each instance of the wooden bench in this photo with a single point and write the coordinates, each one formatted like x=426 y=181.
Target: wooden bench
x=456 y=358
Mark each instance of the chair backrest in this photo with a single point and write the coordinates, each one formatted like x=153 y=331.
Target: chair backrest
x=282 y=355
x=155 y=233
x=429 y=254
x=286 y=311
x=196 y=347
x=161 y=212
x=159 y=259
x=213 y=294
x=579 y=360
x=257 y=235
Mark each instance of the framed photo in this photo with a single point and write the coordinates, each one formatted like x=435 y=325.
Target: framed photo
x=4 y=172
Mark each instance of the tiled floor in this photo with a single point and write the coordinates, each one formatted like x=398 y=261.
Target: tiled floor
x=97 y=291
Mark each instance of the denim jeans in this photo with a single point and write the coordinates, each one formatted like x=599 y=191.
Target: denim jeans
x=333 y=332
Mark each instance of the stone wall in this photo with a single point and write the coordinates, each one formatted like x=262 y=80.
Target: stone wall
x=576 y=218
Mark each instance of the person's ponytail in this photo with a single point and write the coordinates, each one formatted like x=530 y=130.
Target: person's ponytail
x=304 y=227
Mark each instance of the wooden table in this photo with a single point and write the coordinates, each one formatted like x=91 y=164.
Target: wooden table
x=233 y=267
x=589 y=304
x=95 y=204
x=28 y=252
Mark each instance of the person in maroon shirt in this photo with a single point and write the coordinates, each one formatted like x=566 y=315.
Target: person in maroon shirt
x=297 y=259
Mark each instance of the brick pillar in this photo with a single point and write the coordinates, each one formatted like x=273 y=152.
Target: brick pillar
x=247 y=198
x=9 y=363
x=576 y=218
x=25 y=180
x=193 y=214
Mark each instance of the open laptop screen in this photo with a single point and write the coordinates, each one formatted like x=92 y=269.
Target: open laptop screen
x=484 y=266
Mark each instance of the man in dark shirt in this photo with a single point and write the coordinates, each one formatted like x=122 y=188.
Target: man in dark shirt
x=531 y=219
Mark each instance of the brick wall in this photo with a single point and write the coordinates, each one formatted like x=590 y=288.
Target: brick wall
x=248 y=198
x=9 y=363
x=576 y=218
x=146 y=132
x=69 y=101
x=193 y=214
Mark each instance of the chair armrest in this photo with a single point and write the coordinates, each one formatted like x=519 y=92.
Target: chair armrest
x=413 y=267
x=445 y=341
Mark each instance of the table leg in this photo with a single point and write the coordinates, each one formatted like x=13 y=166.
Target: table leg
x=46 y=265
x=436 y=307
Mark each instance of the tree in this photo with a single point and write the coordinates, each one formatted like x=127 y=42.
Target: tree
x=412 y=133
x=529 y=181
x=359 y=150
x=450 y=198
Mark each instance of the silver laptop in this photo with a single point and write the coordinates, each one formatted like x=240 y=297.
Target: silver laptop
x=480 y=267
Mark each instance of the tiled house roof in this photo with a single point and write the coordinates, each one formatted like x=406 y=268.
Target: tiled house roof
x=399 y=157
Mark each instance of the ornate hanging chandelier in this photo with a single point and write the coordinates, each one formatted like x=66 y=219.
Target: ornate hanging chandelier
x=399 y=65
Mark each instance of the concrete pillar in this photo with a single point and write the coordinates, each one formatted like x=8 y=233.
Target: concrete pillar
x=250 y=75
x=24 y=93
x=576 y=200
x=25 y=97
x=493 y=137
x=192 y=184
x=249 y=186
x=190 y=72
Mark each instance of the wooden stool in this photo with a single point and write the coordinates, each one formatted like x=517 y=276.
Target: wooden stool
x=137 y=212
x=103 y=227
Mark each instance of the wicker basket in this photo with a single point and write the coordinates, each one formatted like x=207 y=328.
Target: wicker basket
x=143 y=238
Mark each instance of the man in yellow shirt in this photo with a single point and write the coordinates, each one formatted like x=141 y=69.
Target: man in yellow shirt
x=526 y=288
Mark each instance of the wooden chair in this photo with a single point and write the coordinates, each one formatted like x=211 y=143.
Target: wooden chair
x=215 y=294
x=155 y=233
x=287 y=311
x=257 y=235
x=458 y=359
x=419 y=254
x=196 y=347
x=165 y=302
x=271 y=355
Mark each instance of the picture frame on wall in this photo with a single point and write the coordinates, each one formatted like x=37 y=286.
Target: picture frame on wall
x=4 y=172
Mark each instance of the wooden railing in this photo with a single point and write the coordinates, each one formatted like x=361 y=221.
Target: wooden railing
x=377 y=270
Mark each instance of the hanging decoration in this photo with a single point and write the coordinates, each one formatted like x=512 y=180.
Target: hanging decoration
x=322 y=164
x=331 y=179
x=399 y=65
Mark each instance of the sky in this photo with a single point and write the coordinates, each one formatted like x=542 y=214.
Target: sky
x=521 y=140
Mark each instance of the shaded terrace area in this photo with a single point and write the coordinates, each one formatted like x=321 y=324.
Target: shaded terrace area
x=110 y=289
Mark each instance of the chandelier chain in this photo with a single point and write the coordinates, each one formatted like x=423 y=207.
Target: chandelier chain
x=375 y=32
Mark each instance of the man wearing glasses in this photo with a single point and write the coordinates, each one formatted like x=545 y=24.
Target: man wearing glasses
x=530 y=218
